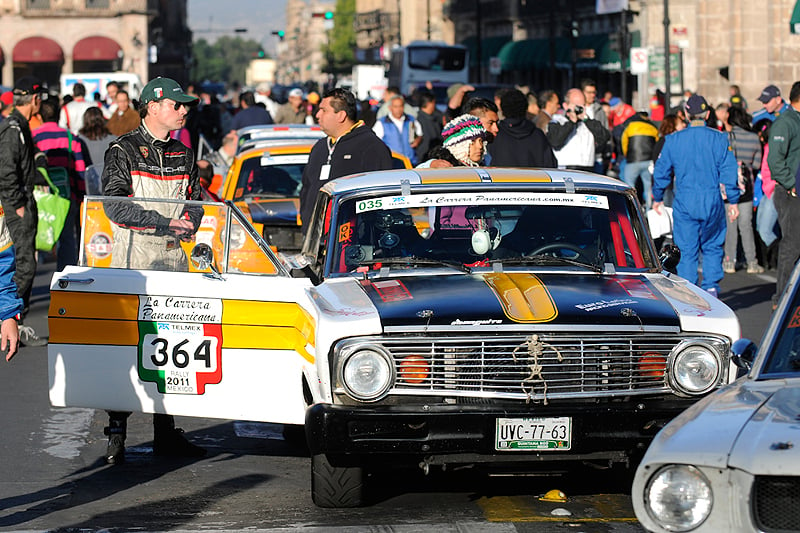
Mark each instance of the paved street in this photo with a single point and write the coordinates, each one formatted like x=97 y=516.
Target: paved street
x=52 y=476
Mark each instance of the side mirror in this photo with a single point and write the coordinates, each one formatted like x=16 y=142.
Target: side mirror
x=743 y=354
x=299 y=267
x=670 y=257
x=202 y=258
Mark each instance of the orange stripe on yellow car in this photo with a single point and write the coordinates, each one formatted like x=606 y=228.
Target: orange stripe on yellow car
x=74 y=319
x=523 y=296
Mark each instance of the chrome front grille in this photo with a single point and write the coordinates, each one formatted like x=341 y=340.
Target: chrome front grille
x=533 y=367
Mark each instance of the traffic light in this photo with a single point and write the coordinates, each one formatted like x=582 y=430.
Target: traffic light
x=279 y=33
x=328 y=15
x=614 y=41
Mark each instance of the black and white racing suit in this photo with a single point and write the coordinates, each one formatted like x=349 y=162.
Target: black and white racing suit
x=140 y=165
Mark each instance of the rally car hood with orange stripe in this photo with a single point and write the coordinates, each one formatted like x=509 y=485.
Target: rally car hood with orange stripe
x=519 y=298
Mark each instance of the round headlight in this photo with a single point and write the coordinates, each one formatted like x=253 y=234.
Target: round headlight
x=679 y=497
x=367 y=374
x=695 y=369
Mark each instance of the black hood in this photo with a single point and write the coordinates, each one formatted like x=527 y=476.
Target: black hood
x=518 y=128
x=520 y=298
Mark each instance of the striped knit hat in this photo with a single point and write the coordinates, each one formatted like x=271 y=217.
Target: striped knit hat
x=459 y=133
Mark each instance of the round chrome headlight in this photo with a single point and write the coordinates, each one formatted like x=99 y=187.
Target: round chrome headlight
x=679 y=497
x=695 y=369
x=367 y=374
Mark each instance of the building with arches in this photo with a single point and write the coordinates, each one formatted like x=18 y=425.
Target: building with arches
x=47 y=38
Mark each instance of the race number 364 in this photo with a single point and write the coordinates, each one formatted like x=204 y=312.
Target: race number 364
x=180 y=358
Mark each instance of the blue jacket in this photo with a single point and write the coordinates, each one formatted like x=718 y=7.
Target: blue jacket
x=702 y=159
x=398 y=141
x=10 y=303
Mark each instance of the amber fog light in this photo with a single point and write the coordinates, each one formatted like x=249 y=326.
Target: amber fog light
x=414 y=369
x=652 y=365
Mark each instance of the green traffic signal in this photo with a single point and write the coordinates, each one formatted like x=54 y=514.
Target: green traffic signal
x=328 y=15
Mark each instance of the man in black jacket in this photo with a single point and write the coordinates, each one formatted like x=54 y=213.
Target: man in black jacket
x=17 y=178
x=519 y=143
x=350 y=148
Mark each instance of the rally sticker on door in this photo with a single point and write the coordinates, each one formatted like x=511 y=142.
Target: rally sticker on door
x=179 y=350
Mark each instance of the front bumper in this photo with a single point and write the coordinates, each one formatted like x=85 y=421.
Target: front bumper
x=452 y=434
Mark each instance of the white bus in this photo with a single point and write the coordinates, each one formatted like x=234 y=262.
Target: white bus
x=422 y=61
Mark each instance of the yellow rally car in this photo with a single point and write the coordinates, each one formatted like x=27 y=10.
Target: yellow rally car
x=264 y=181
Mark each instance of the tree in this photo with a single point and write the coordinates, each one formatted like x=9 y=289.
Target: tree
x=340 y=55
x=226 y=60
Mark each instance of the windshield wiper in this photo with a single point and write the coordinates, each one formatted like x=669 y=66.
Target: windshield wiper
x=547 y=260
x=413 y=261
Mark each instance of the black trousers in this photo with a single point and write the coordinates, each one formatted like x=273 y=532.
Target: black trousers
x=788 y=208
x=23 y=234
x=119 y=419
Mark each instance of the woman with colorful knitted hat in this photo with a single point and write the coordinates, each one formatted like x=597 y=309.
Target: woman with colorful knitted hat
x=465 y=138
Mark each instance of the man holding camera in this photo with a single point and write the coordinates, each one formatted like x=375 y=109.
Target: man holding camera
x=574 y=136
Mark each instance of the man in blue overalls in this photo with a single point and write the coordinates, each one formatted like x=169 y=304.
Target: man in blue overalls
x=400 y=132
x=702 y=159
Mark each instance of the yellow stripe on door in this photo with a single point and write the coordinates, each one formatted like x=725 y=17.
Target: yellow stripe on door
x=111 y=319
x=523 y=296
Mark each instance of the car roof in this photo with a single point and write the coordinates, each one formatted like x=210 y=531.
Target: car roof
x=282 y=148
x=463 y=176
x=261 y=144
x=266 y=131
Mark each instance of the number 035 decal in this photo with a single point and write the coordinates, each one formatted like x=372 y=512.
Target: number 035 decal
x=180 y=357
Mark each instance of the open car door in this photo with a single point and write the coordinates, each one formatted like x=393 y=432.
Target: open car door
x=208 y=324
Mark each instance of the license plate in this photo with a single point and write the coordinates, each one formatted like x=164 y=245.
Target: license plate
x=533 y=434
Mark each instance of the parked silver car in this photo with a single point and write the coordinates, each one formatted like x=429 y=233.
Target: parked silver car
x=731 y=462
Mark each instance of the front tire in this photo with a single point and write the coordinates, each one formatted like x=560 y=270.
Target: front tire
x=336 y=486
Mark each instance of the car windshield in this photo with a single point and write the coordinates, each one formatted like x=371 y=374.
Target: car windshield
x=270 y=177
x=517 y=229
x=785 y=356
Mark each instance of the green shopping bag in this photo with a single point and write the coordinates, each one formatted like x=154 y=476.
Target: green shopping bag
x=53 y=209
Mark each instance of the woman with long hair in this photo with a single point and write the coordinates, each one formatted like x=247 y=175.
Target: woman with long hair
x=747 y=150
x=95 y=136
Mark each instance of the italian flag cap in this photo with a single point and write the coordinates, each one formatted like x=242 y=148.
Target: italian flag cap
x=161 y=88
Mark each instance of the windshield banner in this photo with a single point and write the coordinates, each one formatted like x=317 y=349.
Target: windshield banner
x=468 y=199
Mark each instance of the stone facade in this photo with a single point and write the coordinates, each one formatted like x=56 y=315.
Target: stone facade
x=301 y=55
x=751 y=39
x=130 y=28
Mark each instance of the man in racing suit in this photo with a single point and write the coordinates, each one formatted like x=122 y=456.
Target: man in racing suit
x=148 y=163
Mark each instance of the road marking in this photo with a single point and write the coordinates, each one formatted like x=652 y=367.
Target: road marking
x=767 y=277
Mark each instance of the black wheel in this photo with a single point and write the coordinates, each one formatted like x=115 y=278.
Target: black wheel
x=336 y=486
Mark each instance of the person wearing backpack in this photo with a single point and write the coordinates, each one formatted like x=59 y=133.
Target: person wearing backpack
x=66 y=168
